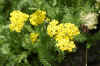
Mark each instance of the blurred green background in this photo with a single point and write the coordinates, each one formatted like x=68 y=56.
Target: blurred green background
x=16 y=48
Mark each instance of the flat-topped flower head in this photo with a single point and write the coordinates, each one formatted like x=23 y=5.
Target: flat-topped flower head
x=61 y=36
x=65 y=45
x=72 y=30
x=63 y=33
x=17 y=20
x=38 y=17
x=52 y=28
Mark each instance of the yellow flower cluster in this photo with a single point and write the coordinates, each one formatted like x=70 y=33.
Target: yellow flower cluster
x=64 y=44
x=52 y=28
x=72 y=30
x=63 y=34
x=17 y=20
x=37 y=18
x=34 y=36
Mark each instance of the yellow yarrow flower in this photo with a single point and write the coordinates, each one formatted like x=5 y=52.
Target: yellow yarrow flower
x=17 y=20
x=17 y=28
x=65 y=45
x=72 y=30
x=61 y=29
x=37 y=18
x=33 y=37
x=52 y=28
x=63 y=34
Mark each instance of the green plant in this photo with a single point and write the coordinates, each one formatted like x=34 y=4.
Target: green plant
x=16 y=47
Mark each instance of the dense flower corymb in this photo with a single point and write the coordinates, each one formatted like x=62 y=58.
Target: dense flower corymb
x=17 y=20
x=33 y=37
x=63 y=34
x=64 y=44
x=52 y=28
x=38 y=17
x=71 y=29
